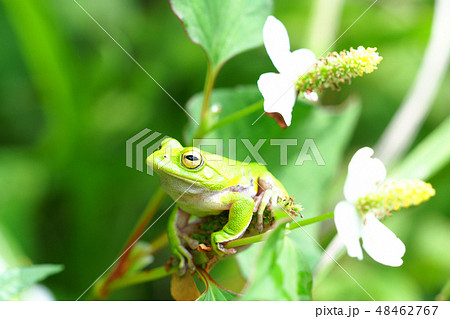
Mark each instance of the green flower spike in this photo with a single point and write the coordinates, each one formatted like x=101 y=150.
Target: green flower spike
x=394 y=195
x=338 y=68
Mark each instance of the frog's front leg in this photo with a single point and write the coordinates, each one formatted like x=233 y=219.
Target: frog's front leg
x=271 y=190
x=177 y=220
x=266 y=198
x=240 y=216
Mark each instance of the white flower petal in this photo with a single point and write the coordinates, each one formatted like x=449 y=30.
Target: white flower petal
x=279 y=94
x=364 y=174
x=276 y=41
x=3 y=265
x=300 y=61
x=348 y=225
x=311 y=95
x=37 y=293
x=381 y=243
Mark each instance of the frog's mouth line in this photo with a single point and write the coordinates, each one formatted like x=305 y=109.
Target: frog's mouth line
x=183 y=177
x=158 y=165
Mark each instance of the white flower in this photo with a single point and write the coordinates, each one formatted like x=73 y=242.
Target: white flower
x=37 y=293
x=278 y=89
x=364 y=176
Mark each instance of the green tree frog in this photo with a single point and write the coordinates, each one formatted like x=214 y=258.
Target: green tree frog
x=204 y=184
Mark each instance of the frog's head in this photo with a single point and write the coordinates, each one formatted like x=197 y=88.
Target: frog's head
x=172 y=160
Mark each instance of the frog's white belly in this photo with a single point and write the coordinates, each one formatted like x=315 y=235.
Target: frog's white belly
x=198 y=201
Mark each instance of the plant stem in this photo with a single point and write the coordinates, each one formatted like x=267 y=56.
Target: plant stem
x=310 y=221
x=325 y=21
x=211 y=75
x=147 y=215
x=235 y=116
x=155 y=245
x=260 y=237
x=141 y=277
x=203 y=129
x=207 y=91
x=122 y=265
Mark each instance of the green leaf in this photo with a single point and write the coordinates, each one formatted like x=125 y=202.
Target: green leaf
x=427 y=158
x=282 y=273
x=214 y=292
x=229 y=274
x=15 y=280
x=223 y=28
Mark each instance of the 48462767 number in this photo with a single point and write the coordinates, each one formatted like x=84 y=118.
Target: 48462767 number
x=407 y=310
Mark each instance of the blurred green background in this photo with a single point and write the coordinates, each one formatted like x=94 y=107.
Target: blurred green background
x=70 y=98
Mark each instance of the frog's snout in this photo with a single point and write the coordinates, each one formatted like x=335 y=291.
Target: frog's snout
x=150 y=161
x=157 y=161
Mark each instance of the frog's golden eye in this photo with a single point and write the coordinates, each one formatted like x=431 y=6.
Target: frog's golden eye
x=192 y=159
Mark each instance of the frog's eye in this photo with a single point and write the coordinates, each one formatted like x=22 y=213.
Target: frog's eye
x=192 y=159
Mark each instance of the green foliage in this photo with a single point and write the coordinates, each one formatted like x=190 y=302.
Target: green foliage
x=218 y=27
x=44 y=59
x=281 y=272
x=14 y=281
x=70 y=98
x=430 y=156
x=228 y=101
x=213 y=291
x=141 y=255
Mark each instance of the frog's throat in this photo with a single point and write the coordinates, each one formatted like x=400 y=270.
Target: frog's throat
x=179 y=176
x=200 y=179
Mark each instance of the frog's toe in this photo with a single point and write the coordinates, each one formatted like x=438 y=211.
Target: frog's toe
x=274 y=200
x=191 y=266
x=186 y=261
x=181 y=267
x=218 y=240
x=192 y=243
x=186 y=265
x=224 y=251
x=259 y=227
x=218 y=249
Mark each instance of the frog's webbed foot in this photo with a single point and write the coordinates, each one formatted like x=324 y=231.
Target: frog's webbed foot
x=269 y=200
x=186 y=262
x=278 y=205
x=217 y=243
x=288 y=205
x=186 y=259
x=177 y=223
x=221 y=250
